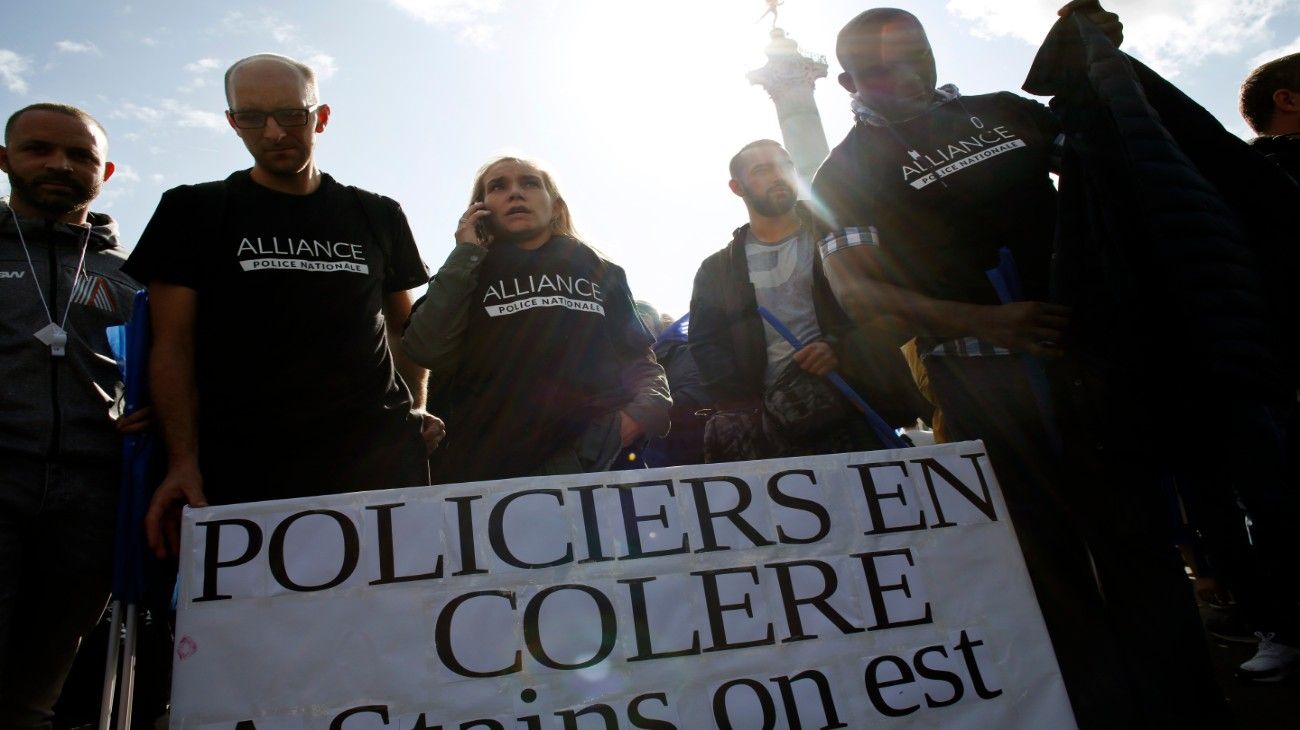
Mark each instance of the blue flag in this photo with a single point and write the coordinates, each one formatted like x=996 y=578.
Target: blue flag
x=678 y=331
x=130 y=344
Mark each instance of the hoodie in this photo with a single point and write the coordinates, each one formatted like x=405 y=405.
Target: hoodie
x=58 y=408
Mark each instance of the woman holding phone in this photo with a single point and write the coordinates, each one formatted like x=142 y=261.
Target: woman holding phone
x=537 y=360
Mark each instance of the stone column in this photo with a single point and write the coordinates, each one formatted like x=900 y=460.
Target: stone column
x=788 y=78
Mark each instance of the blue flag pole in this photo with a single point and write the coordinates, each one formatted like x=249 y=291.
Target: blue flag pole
x=130 y=344
x=887 y=435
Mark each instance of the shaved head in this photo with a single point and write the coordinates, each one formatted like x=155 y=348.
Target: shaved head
x=304 y=71
x=67 y=109
x=887 y=62
x=860 y=37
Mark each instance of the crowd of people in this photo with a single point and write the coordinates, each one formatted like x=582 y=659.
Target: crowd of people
x=938 y=272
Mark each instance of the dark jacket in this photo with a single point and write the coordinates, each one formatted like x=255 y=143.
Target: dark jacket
x=730 y=349
x=1283 y=150
x=1156 y=247
x=58 y=408
x=726 y=332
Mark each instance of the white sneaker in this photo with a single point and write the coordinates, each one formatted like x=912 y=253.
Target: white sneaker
x=1271 y=662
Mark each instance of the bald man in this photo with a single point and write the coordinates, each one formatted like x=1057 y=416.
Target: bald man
x=944 y=209
x=275 y=294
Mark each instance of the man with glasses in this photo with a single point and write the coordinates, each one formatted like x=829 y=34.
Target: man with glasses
x=275 y=294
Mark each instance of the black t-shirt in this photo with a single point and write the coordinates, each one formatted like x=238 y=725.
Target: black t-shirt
x=293 y=369
x=549 y=332
x=942 y=193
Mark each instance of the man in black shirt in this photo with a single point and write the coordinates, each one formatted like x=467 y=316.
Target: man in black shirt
x=1259 y=567
x=274 y=296
x=944 y=219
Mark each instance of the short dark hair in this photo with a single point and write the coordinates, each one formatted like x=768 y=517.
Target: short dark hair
x=734 y=166
x=49 y=106
x=308 y=75
x=1258 y=89
x=865 y=25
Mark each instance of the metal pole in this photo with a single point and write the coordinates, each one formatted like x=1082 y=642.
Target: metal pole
x=128 y=670
x=110 y=665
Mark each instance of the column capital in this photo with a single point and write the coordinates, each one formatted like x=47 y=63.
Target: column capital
x=788 y=69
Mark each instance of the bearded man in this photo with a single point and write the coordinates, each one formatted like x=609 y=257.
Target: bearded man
x=747 y=367
x=61 y=286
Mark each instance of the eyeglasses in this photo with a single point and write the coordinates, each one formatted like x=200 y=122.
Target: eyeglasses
x=283 y=117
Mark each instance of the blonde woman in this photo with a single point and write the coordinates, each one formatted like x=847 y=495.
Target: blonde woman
x=537 y=360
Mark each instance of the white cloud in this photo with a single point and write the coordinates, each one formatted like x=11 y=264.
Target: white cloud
x=470 y=15
x=1170 y=35
x=12 y=68
x=77 y=47
x=157 y=178
x=323 y=64
x=236 y=21
x=1272 y=53
x=283 y=33
x=126 y=173
x=199 y=71
x=131 y=110
x=279 y=29
x=109 y=195
x=187 y=116
x=202 y=65
x=170 y=112
x=447 y=12
x=478 y=34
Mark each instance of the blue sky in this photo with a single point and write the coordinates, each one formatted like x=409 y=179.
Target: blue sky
x=635 y=106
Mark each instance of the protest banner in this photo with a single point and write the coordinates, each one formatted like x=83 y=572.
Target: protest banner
x=881 y=589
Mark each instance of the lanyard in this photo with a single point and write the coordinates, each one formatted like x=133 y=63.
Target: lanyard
x=54 y=336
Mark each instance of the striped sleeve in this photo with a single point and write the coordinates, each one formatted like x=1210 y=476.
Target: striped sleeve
x=848 y=238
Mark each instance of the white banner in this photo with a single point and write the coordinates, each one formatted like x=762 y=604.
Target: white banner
x=882 y=589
